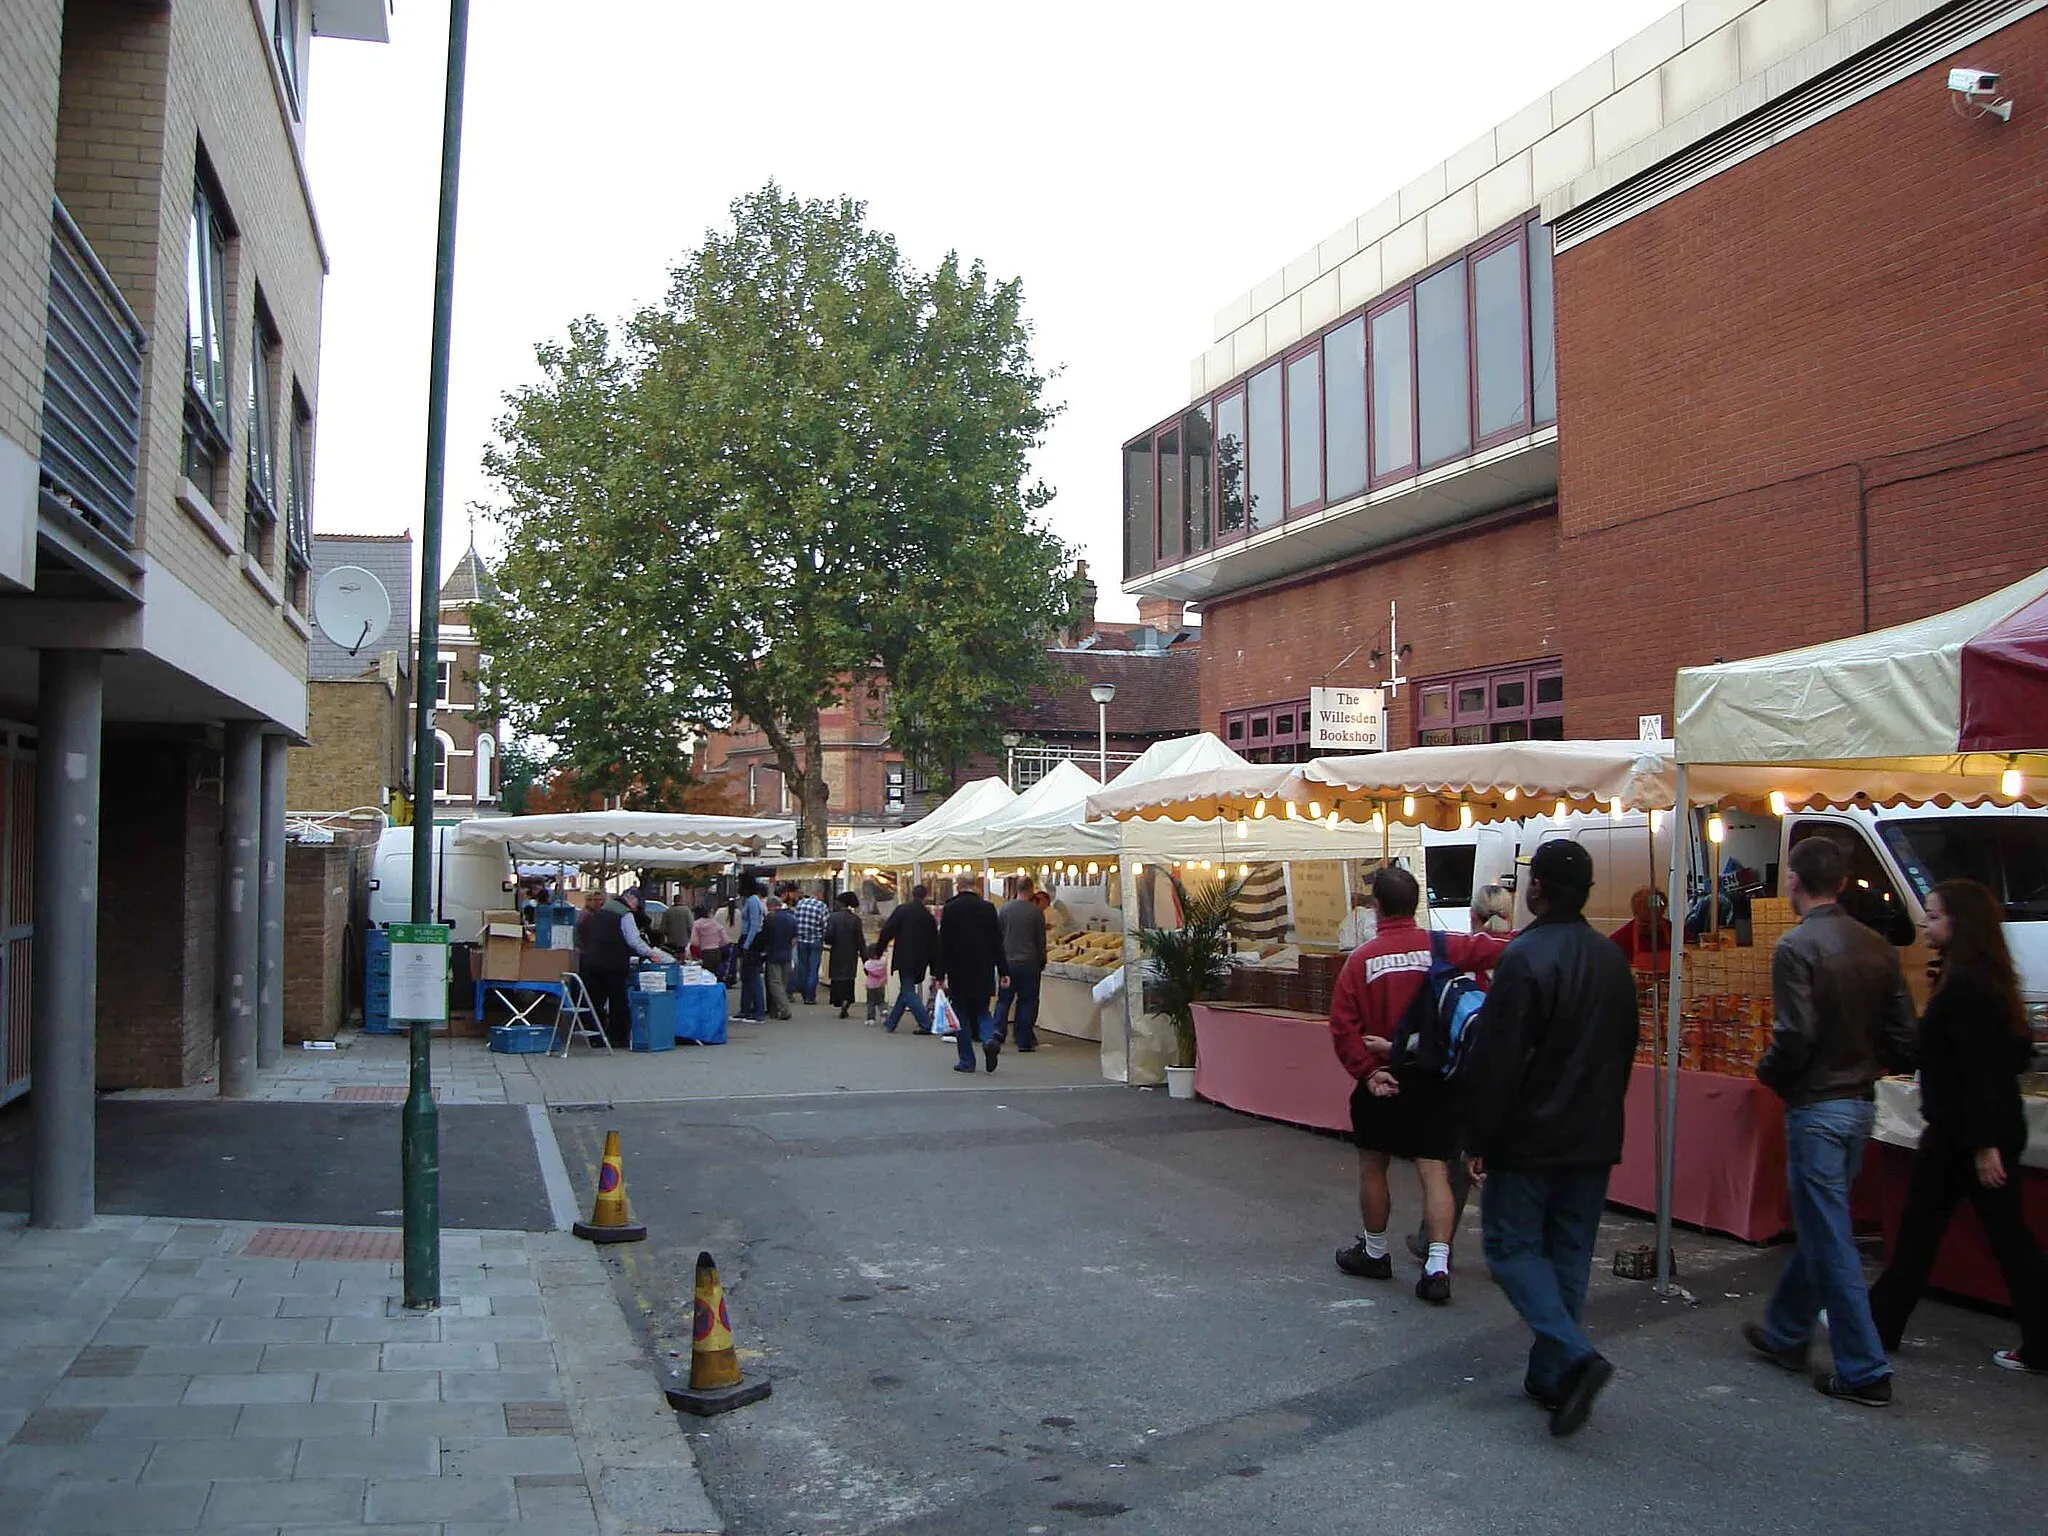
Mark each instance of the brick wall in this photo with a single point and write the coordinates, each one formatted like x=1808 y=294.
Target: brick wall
x=316 y=919
x=352 y=726
x=1488 y=597
x=29 y=44
x=1807 y=395
x=160 y=826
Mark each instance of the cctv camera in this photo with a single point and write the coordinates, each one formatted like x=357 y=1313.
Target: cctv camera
x=1973 y=82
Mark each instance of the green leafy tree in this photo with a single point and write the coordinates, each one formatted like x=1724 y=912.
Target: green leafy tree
x=521 y=766
x=807 y=470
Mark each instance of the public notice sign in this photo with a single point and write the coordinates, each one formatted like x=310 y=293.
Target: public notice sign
x=419 y=972
x=1347 y=719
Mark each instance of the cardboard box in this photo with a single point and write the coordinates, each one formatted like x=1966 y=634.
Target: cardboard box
x=537 y=964
x=504 y=940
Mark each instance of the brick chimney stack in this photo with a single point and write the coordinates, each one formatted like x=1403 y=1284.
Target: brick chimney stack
x=1084 y=607
x=1164 y=614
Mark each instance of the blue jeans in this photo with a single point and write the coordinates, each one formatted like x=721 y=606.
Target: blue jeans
x=1823 y=1151
x=803 y=978
x=977 y=1024
x=1022 y=993
x=907 y=997
x=1540 y=1225
x=753 y=987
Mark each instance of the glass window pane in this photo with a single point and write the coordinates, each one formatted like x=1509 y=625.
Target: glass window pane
x=1305 y=431
x=1509 y=695
x=1551 y=729
x=1497 y=302
x=1436 y=704
x=1344 y=411
x=1200 y=460
x=1283 y=725
x=1172 y=515
x=1393 y=393
x=1468 y=735
x=1542 y=323
x=1230 y=487
x=1550 y=689
x=1261 y=725
x=1511 y=730
x=1472 y=698
x=1443 y=376
x=1235 y=730
x=1267 y=476
x=1138 y=530
x=195 y=297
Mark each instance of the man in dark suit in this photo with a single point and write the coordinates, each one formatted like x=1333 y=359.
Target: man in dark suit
x=969 y=962
x=914 y=932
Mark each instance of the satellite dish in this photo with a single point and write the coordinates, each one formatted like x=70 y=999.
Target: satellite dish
x=351 y=607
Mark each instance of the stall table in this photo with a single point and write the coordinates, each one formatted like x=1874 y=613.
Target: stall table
x=1066 y=1001
x=1275 y=1062
x=1730 y=1174
x=1963 y=1266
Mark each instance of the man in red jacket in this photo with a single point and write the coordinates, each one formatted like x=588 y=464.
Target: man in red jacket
x=1398 y=1110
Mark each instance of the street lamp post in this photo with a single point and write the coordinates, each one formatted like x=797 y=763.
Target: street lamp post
x=1102 y=693
x=1010 y=741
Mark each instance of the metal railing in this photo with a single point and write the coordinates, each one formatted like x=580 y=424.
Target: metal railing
x=1027 y=765
x=92 y=389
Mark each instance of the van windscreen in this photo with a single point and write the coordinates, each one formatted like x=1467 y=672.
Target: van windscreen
x=2007 y=853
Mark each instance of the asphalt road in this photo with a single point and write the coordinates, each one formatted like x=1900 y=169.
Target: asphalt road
x=324 y=1164
x=1092 y=1309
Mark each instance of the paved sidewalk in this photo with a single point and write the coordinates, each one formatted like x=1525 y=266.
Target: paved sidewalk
x=159 y=1375
x=372 y=1069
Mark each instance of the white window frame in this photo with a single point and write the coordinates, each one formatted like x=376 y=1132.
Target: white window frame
x=486 y=763
x=444 y=760
x=444 y=681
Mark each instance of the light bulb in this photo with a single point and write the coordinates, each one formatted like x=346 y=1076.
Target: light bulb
x=1407 y=805
x=1315 y=810
x=1559 y=812
x=1656 y=820
x=1094 y=869
x=1464 y=818
x=1614 y=808
x=1779 y=804
x=2012 y=783
x=1259 y=809
x=1293 y=812
x=1137 y=866
x=1336 y=821
x=1512 y=792
x=1244 y=871
x=1717 y=829
x=1379 y=820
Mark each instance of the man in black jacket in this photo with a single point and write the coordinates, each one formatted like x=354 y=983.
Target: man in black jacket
x=915 y=933
x=969 y=963
x=1842 y=1013
x=1544 y=1089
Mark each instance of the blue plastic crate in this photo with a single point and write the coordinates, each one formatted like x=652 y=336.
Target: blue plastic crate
x=377 y=983
x=700 y=1014
x=674 y=974
x=654 y=1020
x=521 y=1039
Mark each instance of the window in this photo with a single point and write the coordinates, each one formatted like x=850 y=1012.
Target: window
x=1230 y=486
x=1542 y=324
x=1305 y=431
x=444 y=675
x=1272 y=733
x=1268 y=469
x=1172 y=509
x=259 y=521
x=1201 y=465
x=1443 y=379
x=1868 y=895
x=1393 y=391
x=284 y=39
x=486 y=755
x=206 y=368
x=444 y=746
x=298 y=511
x=1524 y=702
x=1344 y=411
x=892 y=787
x=1139 y=514
x=1500 y=334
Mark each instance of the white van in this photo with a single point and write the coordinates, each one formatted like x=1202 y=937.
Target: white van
x=468 y=882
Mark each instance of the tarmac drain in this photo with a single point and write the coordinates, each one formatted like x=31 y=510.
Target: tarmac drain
x=1057 y=1421
x=1092 y=1509
x=884 y=1379
x=857 y=1296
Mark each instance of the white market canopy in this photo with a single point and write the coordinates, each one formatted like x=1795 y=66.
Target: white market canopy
x=901 y=847
x=642 y=838
x=1048 y=821
x=1938 y=709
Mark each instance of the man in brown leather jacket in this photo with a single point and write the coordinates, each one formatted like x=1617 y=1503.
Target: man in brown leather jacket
x=1843 y=1016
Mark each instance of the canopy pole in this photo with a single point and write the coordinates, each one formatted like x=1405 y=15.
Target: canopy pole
x=1681 y=853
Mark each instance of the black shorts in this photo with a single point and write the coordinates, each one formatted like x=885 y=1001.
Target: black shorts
x=1419 y=1121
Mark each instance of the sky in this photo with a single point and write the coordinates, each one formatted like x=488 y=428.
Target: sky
x=1137 y=166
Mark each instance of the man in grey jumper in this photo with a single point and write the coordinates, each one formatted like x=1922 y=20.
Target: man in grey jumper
x=1023 y=925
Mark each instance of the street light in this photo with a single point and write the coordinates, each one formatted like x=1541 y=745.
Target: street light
x=1102 y=693
x=1010 y=740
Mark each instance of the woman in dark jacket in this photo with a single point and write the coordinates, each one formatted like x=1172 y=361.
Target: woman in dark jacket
x=845 y=944
x=1974 y=1043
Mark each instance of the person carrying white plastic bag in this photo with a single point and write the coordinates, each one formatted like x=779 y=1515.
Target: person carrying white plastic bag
x=944 y=1020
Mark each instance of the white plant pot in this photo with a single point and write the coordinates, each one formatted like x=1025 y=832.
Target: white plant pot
x=1180 y=1082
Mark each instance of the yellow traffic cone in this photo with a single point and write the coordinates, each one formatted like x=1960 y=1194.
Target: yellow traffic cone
x=715 y=1385
x=608 y=1223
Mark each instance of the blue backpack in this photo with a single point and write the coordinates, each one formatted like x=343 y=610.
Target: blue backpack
x=1436 y=1032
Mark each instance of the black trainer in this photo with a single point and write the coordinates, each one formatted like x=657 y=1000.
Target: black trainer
x=1547 y=1401
x=989 y=1053
x=1356 y=1261
x=1569 y=1417
x=1434 y=1289
x=1785 y=1359
x=1872 y=1394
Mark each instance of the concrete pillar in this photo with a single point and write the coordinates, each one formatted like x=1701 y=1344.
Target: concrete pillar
x=241 y=818
x=270 y=910
x=66 y=949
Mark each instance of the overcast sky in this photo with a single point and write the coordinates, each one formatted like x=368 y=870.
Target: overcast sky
x=1137 y=166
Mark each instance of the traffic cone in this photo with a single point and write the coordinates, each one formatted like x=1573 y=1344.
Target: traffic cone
x=608 y=1223
x=714 y=1385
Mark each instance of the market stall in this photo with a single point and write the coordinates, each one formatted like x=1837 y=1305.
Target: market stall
x=910 y=848
x=1948 y=709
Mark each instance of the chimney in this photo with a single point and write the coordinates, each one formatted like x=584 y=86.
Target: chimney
x=1164 y=614
x=1083 y=624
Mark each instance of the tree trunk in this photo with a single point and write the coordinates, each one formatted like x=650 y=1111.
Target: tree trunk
x=811 y=794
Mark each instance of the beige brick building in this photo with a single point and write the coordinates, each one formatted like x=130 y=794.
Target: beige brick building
x=358 y=752
x=161 y=268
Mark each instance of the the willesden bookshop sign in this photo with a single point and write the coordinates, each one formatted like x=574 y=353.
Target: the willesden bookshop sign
x=1347 y=719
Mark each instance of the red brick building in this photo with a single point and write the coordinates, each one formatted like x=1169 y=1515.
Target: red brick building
x=1789 y=294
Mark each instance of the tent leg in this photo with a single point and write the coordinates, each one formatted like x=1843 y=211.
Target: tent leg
x=1667 y=1152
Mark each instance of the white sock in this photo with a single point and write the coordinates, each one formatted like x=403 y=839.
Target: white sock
x=1439 y=1260
x=1375 y=1244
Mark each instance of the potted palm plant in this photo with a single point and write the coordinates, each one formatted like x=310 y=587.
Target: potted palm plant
x=1188 y=964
